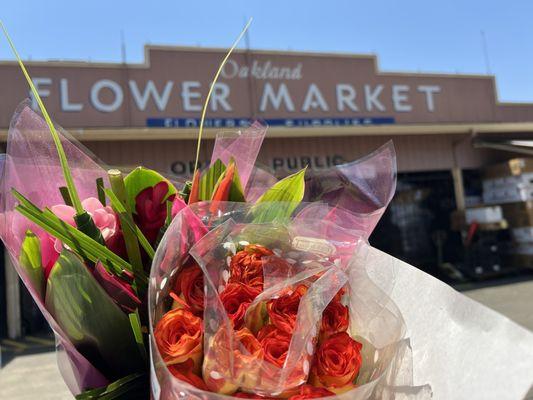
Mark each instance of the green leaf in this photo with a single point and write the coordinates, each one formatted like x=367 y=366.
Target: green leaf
x=75 y=239
x=119 y=194
x=236 y=192
x=30 y=260
x=209 y=180
x=134 y=386
x=135 y=323
x=100 y=190
x=57 y=141
x=280 y=201
x=141 y=178
x=90 y=318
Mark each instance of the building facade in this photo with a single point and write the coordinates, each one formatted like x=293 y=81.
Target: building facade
x=322 y=109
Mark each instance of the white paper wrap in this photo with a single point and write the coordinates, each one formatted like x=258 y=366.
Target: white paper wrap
x=461 y=348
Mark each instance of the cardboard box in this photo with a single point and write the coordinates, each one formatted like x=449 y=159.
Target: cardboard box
x=516 y=166
x=518 y=215
x=521 y=248
x=484 y=215
x=523 y=179
x=523 y=206
x=508 y=194
x=523 y=235
x=519 y=219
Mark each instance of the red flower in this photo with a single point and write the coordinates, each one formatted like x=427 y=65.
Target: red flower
x=247 y=266
x=236 y=299
x=335 y=319
x=184 y=372
x=275 y=344
x=284 y=310
x=179 y=336
x=337 y=363
x=151 y=209
x=189 y=286
x=311 y=392
x=119 y=289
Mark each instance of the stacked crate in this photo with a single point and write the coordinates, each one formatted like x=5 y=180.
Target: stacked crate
x=510 y=185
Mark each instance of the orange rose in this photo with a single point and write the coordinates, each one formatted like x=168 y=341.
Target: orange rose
x=236 y=299
x=334 y=319
x=223 y=376
x=184 y=372
x=337 y=363
x=311 y=392
x=275 y=343
x=284 y=310
x=248 y=356
x=189 y=286
x=179 y=338
x=247 y=266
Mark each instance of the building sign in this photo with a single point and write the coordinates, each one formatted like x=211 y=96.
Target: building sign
x=244 y=122
x=278 y=164
x=284 y=89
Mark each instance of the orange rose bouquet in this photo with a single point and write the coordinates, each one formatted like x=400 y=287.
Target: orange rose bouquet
x=280 y=301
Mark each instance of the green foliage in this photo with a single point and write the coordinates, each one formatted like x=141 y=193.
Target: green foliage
x=73 y=194
x=209 y=180
x=82 y=244
x=236 y=192
x=90 y=318
x=30 y=260
x=280 y=201
x=131 y=387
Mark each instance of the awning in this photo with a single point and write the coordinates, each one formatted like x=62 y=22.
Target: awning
x=516 y=142
x=141 y=133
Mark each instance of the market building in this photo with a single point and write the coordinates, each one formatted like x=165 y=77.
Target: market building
x=322 y=109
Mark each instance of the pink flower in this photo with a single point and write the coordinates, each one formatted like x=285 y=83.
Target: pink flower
x=151 y=209
x=103 y=217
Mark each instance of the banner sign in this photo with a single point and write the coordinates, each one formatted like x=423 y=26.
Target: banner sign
x=286 y=89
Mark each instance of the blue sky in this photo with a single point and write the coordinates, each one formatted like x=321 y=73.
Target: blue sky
x=426 y=36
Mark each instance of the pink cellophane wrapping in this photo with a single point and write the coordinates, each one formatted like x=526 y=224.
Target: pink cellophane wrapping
x=243 y=147
x=32 y=166
x=351 y=207
x=375 y=320
x=358 y=191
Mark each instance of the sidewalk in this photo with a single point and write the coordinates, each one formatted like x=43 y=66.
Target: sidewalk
x=36 y=376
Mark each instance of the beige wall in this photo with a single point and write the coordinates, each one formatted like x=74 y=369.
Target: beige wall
x=415 y=153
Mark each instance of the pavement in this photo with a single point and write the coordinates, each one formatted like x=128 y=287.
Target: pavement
x=31 y=376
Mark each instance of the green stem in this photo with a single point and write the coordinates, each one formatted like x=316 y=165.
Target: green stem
x=130 y=238
x=57 y=141
x=204 y=110
x=75 y=239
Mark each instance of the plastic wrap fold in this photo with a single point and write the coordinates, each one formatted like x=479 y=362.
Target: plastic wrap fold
x=32 y=167
x=324 y=261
